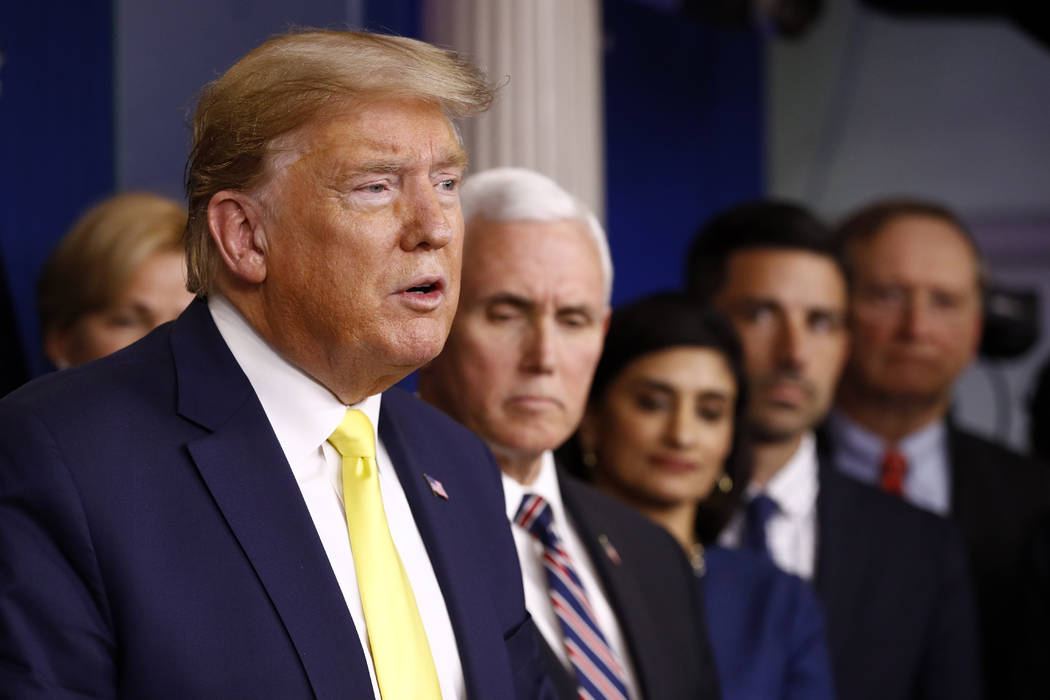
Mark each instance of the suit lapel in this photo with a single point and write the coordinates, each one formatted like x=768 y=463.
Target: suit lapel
x=842 y=554
x=253 y=486
x=620 y=587
x=969 y=502
x=444 y=524
x=564 y=683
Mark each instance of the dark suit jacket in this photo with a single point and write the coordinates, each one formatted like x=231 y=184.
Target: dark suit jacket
x=767 y=630
x=998 y=497
x=897 y=597
x=154 y=543
x=652 y=592
x=1035 y=640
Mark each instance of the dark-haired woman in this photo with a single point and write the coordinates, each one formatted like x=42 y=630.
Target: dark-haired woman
x=661 y=433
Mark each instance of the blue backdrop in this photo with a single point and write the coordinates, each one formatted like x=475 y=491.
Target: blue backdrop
x=56 y=135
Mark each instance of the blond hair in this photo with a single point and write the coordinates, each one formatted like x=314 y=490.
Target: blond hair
x=94 y=261
x=289 y=81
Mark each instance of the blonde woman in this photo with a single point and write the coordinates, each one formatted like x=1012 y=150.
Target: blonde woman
x=117 y=274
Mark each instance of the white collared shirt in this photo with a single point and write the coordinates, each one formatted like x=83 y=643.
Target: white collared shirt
x=530 y=556
x=858 y=452
x=791 y=533
x=303 y=414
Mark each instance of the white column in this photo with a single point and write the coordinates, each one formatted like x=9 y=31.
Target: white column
x=548 y=56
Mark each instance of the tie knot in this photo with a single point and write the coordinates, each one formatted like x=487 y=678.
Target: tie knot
x=354 y=437
x=534 y=514
x=894 y=469
x=760 y=509
x=894 y=461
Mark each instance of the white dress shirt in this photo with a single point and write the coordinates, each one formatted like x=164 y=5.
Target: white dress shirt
x=303 y=414
x=537 y=594
x=791 y=533
x=858 y=452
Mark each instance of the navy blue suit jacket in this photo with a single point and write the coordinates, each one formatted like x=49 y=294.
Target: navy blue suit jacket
x=154 y=543
x=898 y=599
x=766 y=629
x=998 y=497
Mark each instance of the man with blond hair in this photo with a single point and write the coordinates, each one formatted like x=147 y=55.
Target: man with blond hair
x=235 y=506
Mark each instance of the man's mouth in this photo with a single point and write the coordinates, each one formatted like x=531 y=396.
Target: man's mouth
x=425 y=286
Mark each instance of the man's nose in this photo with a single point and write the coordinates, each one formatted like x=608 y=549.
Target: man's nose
x=791 y=344
x=429 y=218
x=917 y=317
x=539 y=352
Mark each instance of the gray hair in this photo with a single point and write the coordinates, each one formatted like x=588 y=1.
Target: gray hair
x=519 y=194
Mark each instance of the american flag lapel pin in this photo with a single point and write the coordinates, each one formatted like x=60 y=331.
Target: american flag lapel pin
x=436 y=487
x=610 y=551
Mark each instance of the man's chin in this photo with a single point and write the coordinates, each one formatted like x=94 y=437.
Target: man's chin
x=779 y=428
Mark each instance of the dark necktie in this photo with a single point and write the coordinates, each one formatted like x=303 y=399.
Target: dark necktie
x=599 y=673
x=759 y=510
x=894 y=469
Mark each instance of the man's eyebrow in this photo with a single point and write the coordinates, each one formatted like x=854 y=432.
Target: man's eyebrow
x=384 y=166
x=452 y=159
x=510 y=299
x=751 y=302
x=584 y=309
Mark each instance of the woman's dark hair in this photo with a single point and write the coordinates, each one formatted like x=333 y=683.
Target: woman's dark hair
x=658 y=322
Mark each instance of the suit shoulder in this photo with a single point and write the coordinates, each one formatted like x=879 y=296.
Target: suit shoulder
x=418 y=420
x=736 y=569
x=600 y=512
x=885 y=514
x=104 y=385
x=403 y=405
x=972 y=449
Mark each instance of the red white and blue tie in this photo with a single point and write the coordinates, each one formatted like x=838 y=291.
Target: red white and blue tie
x=599 y=674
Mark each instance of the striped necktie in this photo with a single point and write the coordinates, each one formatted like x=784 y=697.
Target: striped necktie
x=599 y=673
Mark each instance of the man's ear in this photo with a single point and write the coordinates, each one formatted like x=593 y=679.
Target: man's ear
x=236 y=224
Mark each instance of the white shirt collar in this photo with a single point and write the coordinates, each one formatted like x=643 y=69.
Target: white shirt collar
x=861 y=443
x=794 y=486
x=302 y=412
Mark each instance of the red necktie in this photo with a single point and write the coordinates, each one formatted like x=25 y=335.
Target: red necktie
x=894 y=469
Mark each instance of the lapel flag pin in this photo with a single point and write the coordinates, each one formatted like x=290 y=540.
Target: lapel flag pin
x=610 y=551
x=436 y=487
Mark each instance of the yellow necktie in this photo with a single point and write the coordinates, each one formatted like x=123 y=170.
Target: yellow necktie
x=400 y=652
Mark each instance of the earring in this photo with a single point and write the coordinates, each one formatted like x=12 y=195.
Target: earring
x=725 y=483
x=590 y=460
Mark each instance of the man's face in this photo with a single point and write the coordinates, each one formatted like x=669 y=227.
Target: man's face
x=916 y=310
x=788 y=306
x=363 y=236
x=524 y=345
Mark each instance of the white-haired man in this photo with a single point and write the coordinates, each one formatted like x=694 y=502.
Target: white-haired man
x=610 y=592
